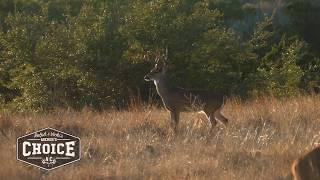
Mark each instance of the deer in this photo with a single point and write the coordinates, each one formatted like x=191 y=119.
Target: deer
x=307 y=167
x=176 y=99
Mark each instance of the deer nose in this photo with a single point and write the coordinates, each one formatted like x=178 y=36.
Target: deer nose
x=147 y=78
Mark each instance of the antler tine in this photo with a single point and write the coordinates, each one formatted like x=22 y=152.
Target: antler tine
x=166 y=55
x=157 y=59
x=146 y=55
x=157 y=56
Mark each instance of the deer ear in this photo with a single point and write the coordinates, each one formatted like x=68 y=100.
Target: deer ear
x=164 y=67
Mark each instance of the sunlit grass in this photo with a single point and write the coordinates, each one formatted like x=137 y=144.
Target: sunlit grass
x=263 y=138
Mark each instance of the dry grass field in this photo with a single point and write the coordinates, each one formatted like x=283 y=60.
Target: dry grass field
x=263 y=138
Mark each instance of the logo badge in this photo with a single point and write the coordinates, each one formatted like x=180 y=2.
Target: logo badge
x=48 y=148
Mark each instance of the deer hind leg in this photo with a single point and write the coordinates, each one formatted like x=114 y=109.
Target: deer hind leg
x=174 y=120
x=220 y=117
x=210 y=116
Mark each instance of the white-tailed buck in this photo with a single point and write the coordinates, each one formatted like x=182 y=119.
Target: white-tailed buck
x=177 y=99
x=308 y=166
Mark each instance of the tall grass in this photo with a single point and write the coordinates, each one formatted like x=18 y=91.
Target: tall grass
x=263 y=138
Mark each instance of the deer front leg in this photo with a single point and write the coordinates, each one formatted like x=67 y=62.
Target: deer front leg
x=174 y=120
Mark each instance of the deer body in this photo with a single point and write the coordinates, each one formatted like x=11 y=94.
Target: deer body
x=177 y=99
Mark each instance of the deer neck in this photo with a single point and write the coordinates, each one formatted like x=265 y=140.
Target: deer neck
x=163 y=85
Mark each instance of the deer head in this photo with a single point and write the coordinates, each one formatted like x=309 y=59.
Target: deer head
x=160 y=68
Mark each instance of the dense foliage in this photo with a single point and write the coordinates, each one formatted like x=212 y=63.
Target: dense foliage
x=73 y=53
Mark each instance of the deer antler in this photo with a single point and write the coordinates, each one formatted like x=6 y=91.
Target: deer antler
x=166 y=56
x=163 y=57
x=157 y=59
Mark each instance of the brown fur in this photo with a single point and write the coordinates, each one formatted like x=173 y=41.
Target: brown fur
x=308 y=166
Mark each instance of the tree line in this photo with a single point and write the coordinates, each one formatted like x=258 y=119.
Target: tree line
x=73 y=53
